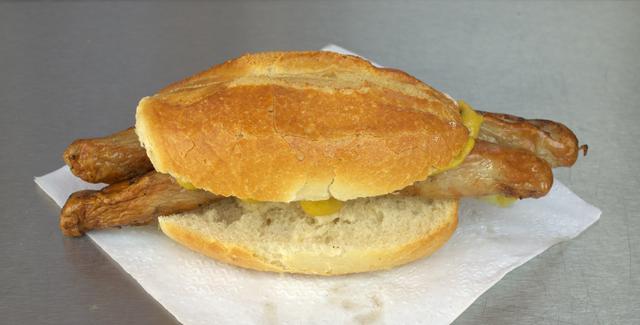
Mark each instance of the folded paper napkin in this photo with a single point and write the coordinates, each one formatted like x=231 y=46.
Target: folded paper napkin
x=488 y=243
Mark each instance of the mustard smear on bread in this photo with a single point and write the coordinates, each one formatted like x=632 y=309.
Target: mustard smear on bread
x=313 y=208
x=472 y=121
x=470 y=118
x=321 y=208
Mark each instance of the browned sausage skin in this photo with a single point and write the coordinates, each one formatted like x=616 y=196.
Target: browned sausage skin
x=549 y=140
x=136 y=201
x=110 y=159
x=490 y=169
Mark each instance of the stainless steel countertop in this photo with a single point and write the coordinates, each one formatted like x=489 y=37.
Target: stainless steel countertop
x=72 y=69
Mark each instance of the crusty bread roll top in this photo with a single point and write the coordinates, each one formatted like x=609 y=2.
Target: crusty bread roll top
x=288 y=126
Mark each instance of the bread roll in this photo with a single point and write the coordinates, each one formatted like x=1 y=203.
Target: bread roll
x=367 y=234
x=288 y=126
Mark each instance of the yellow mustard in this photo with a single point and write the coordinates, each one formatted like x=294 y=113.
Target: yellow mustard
x=321 y=208
x=499 y=200
x=472 y=121
x=186 y=185
x=470 y=118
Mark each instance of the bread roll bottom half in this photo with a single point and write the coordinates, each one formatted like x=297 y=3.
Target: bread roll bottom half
x=367 y=234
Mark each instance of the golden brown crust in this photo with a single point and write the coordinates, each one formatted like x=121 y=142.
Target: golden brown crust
x=287 y=126
x=315 y=263
x=222 y=252
x=426 y=246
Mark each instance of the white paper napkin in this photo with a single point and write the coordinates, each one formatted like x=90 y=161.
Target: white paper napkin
x=488 y=243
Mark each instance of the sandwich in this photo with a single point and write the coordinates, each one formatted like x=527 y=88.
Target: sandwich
x=309 y=162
